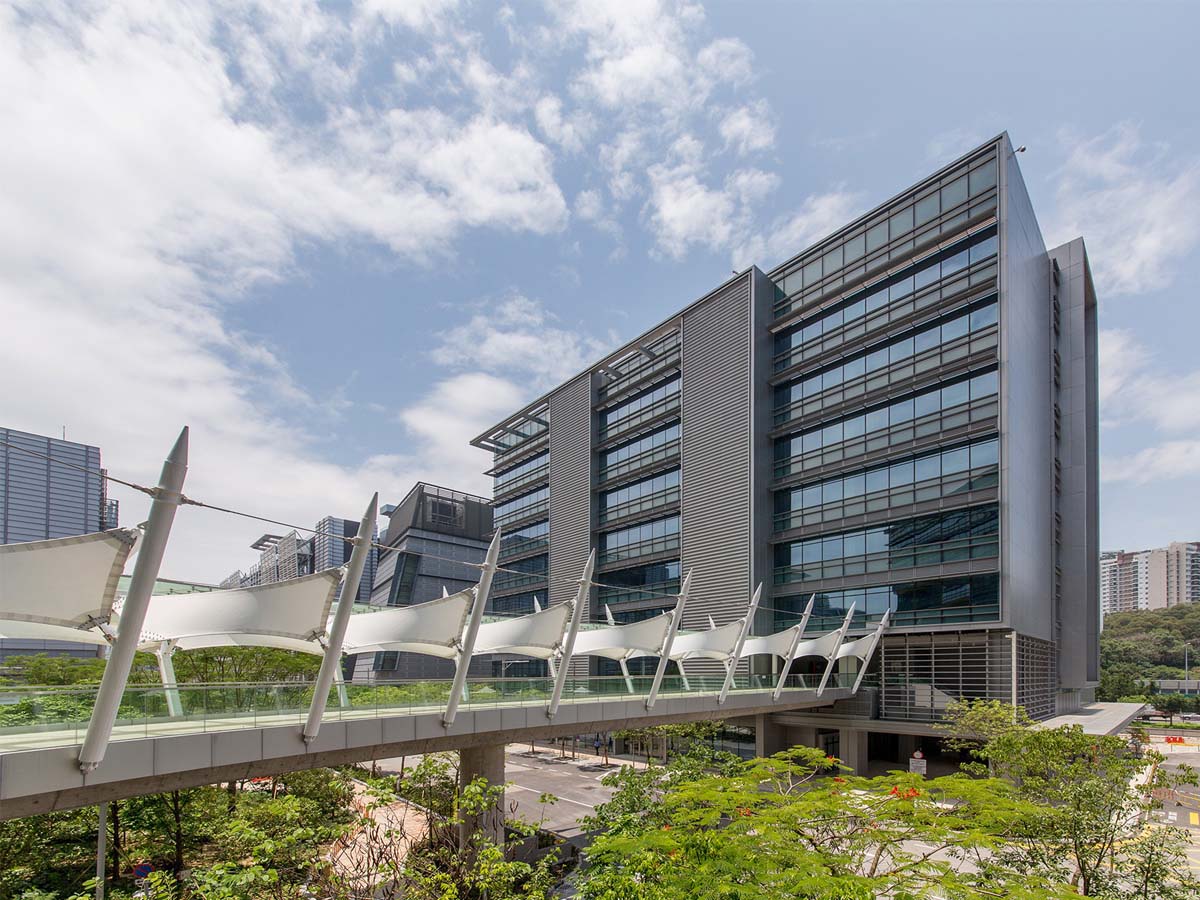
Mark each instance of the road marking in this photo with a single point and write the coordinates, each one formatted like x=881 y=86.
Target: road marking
x=1194 y=818
x=567 y=799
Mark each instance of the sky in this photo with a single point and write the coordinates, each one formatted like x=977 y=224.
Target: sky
x=338 y=240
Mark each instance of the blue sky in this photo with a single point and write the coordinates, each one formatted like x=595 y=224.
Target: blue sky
x=339 y=239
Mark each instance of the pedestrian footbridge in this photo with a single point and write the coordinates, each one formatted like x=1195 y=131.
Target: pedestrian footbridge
x=66 y=747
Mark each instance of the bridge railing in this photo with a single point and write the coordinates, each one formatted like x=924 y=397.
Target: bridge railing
x=55 y=716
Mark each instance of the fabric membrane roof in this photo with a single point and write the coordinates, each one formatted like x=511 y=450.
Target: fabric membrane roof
x=434 y=628
x=289 y=615
x=66 y=582
x=538 y=634
x=716 y=643
x=624 y=641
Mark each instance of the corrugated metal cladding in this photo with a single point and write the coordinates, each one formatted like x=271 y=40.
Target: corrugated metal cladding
x=716 y=478
x=570 y=485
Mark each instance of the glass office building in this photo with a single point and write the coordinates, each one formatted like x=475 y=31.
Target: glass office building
x=50 y=488
x=902 y=417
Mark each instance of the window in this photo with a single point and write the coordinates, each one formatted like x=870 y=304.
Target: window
x=642 y=445
x=647 y=487
x=519 y=504
x=640 y=540
x=640 y=582
x=971 y=250
x=898 y=412
x=926 y=540
x=518 y=472
x=642 y=401
x=927 y=338
x=896 y=227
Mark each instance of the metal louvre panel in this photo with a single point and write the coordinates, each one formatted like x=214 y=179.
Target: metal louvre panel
x=715 y=458
x=570 y=486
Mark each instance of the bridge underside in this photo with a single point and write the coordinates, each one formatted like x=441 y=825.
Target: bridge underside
x=41 y=780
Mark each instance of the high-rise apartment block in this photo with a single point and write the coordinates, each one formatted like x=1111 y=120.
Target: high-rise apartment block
x=1150 y=579
x=50 y=488
x=902 y=417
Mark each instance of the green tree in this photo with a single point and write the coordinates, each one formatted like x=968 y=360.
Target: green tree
x=1089 y=797
x=1171 y=704
x=779 y=828
x=970 y=725
x=1120 y=680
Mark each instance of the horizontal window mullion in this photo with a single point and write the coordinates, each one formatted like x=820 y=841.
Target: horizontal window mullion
x=523 y=513
x=858 y=328
x=641 y=548
x=656 y=409
x=901 y=433
x=888 y=498
x=640 y=504
x=528 y=478
x=668 y=451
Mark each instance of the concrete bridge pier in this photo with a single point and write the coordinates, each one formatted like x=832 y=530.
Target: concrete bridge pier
x=482 y=762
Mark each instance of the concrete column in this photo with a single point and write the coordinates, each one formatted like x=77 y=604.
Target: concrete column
x=908 y=744
x=769 y=738
x=482 y=762
x=853 y=744
x=803 y=735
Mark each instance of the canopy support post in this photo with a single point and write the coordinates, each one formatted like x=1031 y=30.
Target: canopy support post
x=683 y=675
x=467 y=646
x=735 y=657
x=339 y=681
x=331 y=662
x=668 y=640
x=167 y=497
x=875 y=639
x=791 y=654
x=568 y=647
x=833 y=654
x=166 y=672
x=625 y=673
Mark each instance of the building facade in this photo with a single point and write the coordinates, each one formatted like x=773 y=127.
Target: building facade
x=902 y=417
x=1133 y=581
x=435 y=539
x=284 y=556
x=50 y=488
x=1150 y=579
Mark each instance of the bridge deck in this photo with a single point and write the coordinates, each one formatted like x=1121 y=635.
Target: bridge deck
x=38 y=768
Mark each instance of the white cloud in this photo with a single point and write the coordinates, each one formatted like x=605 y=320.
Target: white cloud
x=1171 y=459
x=519 y=339
x=1134 y=389
x=1135 y=392
x=683 y=210
x=156 y=177
x=748 y=128
x=569 y=132
x=1137 y=205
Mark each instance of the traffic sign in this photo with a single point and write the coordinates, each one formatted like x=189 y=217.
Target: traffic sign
x=917 y=765
x=142 y=870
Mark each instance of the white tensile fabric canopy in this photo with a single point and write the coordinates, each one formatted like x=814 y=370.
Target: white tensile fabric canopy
x=434 y=628
x=777 y=644
x=824 y=646
x=40 y=631
x=288 y=615
x=538 y=635
x=644 y=638
x=715 y=643
x=66 y=582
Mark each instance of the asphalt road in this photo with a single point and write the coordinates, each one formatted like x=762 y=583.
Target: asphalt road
x=1183 y=808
